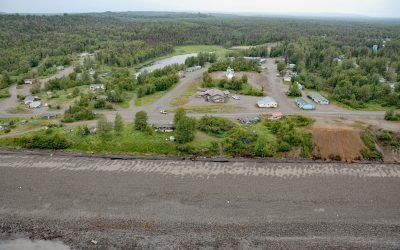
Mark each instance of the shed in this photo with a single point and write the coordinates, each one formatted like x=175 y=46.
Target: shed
x=267 y=102
x=35 y=105
x=303 y=104
x=317 y=98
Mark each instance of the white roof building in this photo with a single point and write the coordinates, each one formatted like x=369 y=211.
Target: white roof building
x=35 y=105
x=267 y=102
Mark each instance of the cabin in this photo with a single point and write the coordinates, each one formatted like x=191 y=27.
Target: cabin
x=303 y=104
x=30 y=81
x=317 y=98
x=267 y=102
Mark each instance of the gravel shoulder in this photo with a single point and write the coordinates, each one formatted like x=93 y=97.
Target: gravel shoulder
x=170 y=204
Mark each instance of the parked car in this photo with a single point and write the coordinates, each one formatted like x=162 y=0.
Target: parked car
x=163 y=112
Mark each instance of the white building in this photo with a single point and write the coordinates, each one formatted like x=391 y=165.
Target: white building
x=230 y=73
x=29 y=99
x=95 y=87
x=267 y=102
x=35 y=105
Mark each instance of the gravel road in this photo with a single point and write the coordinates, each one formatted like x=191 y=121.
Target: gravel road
x=169 y=204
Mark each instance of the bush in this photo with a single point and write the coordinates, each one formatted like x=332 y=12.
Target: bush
x=141 y=121
x=391 y=115
x=294 y=90
x=370 y=152
x=49 y=140
x=185 y=128
x=214 y=125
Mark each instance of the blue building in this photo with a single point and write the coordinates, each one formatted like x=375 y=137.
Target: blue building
x=375 y=48
x=301 y=103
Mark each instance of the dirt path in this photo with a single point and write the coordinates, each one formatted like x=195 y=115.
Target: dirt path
x=127 y=204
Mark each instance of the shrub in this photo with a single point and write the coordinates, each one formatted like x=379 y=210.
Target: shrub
x=141 y=121
x=214 y=125
x=185 y=128
x=49 y=140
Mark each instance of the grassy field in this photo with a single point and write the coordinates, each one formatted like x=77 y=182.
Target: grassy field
x=18 y=127
x=184 y=98
x=149 y=99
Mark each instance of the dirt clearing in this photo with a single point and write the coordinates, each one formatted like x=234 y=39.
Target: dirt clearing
x=338 y=143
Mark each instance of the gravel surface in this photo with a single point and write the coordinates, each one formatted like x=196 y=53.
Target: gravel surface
x=171 y=204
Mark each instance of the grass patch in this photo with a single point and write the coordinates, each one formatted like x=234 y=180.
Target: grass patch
x=149 y=99
x=184 y=98
x=4 y=93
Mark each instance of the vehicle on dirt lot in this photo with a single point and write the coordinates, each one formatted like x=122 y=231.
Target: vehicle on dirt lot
x=236 y=97
x=163 y=112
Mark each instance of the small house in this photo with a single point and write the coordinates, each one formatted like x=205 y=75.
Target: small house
x=230 y=73
x=267 y=102
x=317 y=98
x=30 y=81
x=303 y=104
x=35 y=105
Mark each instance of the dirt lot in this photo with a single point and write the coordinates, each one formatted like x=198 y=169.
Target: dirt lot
x=175 y=204
x=334 y=142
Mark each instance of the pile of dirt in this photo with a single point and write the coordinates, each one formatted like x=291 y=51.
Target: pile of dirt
x=337 y=143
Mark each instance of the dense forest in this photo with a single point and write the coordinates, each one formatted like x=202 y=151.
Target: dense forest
x=33 y=45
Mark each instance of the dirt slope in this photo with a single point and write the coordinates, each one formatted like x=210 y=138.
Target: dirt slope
x=342 y=143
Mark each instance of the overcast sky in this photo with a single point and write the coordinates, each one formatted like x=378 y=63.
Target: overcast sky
x=373 y=8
